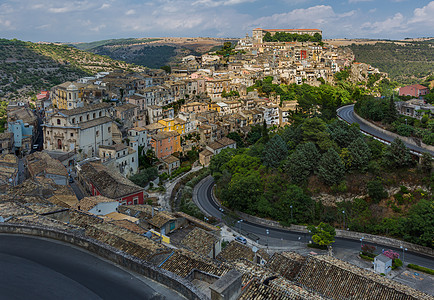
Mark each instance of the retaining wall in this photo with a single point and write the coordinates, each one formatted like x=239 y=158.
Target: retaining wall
x=352 y=235
x=170 y=280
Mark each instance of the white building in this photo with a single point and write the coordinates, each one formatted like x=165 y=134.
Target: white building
x=97 y=205
x=271 y=115
x=81 y=130
x=125 y=159
x=139 y=135
x=382 y=264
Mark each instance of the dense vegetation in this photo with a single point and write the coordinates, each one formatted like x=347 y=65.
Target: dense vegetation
x=149 y=56
x=281 y=175
x=111 y=42
x=407 y=62
x=26 y=67
x=292 y=37
x=384 y=111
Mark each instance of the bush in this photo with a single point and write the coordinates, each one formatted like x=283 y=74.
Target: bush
x=422 y=269
x=397 y=262
x=316 y=246
x=366 y=257
x=376 y=190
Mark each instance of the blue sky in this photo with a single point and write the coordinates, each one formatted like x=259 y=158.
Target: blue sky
x=90 y=20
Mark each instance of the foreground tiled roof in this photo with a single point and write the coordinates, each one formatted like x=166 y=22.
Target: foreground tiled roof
x=235 y=251
x=199 y=241
x=125 y=240
x=182 y=262
x=288 y=264
x=160 y=219
x=110 y=184
x=340 y=280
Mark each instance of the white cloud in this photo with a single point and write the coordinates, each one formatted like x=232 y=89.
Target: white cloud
x=394 y=24
x=130 y=12
x=424 y=15
x=357 y=1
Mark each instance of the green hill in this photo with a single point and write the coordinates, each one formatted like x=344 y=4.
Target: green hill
x=111 y=42
x=27 y=67
x=404 y=61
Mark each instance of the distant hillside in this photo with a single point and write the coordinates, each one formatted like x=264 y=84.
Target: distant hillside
x=27 y=67
x=407 y=61
x=152 y=52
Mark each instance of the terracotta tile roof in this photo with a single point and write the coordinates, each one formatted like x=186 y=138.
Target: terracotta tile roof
x=118 y=216
x=85 y=109
x=340 y=280
x=139 y=211
x=40 y=163
x=182 y=262
x=170 y=159
x=9 y=160
x=40 y=220
x=297 y=292
x=125 y=107
x=197 y=222
x=67 y=201
x=10 y=209
x=235 y=251
x=129 y=225
x=258 y=290
x=288 y=264
x=83 y=219
x=95 y=122
x=160 y=219
x=206 y=152
x=164 y=135
x=88 y=203
x=200 y=241
x=125 y=240
x=110 y=184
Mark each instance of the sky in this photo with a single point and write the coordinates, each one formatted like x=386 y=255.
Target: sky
x=92 y=20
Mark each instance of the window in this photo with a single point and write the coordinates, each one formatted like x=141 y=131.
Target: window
x=93 y=115
x=87 y=117
x=58 y=121
x=132 y=159
x=100 y=114
x=136 y=200
x=109 y=129
x=73 y=120
x=97 y=133
x=72 y=135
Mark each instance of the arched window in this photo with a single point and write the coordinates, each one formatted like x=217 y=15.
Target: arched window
x=58 y=121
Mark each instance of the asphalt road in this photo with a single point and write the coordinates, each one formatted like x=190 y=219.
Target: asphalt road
x=347 y=113
x=36 y=268
x=279 y=237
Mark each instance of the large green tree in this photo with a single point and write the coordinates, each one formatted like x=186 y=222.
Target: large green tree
x=275 y=151
x=331 y=170
x=397 y=155
x=323 y=235
x=360 y=154
x=302 y=162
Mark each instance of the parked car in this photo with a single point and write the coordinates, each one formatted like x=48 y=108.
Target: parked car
x=241 y=240
x=71 y=180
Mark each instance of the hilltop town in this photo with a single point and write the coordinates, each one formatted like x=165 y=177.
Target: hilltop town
x=101 y=160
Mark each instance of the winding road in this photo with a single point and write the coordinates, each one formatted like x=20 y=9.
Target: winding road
x=203 y=198
x=346 y=113
x=38 y=268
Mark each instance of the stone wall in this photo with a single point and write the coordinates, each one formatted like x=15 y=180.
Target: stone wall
x=170 y=280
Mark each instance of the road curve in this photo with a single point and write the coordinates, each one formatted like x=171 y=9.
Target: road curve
x=37 y=268
x=346 y=113
x=203 y=198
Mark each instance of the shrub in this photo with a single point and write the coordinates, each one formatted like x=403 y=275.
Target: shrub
x=366 y=257
x=397 y=262
x=422 y=269
x=376 y=190
x=316 y=246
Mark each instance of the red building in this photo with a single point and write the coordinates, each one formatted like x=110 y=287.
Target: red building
x=415 y=90
x=99 y=180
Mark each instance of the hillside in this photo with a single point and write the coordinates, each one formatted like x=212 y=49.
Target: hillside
x=27 y=67
x=408 y=61
x=152 y=53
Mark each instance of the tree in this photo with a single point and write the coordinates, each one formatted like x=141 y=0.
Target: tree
x=331 y=170
x=168 y=69
x=302 y=162
x=237 y=138
x=264 y=132
x=144 y=176
x=426 y=162
x=323 y=234
x=360 y=154
x=397 y=155
x=314 y=130
x=391 y=113
x=376 y=190
x=275 y=151
x=302 y=206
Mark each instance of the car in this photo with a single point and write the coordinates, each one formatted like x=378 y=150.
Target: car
x=71 y=180
x=35 y=147
x=241 y=240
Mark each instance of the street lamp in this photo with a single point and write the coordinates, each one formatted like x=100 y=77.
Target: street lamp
x=291 y=213
x=239 y=222
x=405 y=121
x=403 y=249
x=267 y=232
x=343 y=212
x=361 y=243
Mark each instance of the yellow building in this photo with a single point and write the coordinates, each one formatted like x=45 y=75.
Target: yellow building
x=67 y=95
x=176 y=124
x=214 y=106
